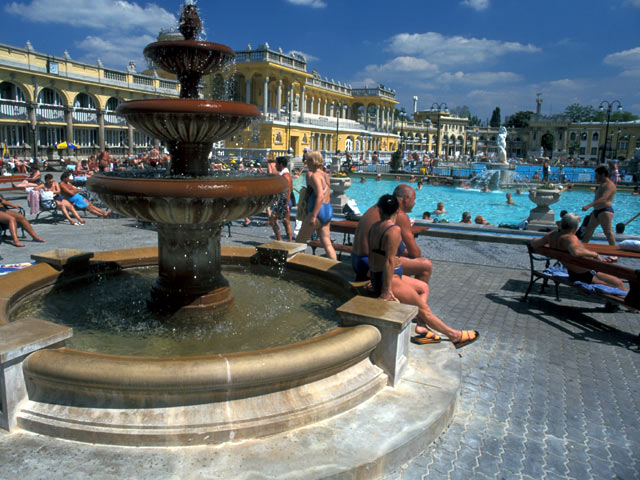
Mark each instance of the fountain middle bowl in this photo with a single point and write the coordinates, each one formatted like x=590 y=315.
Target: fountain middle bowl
x=186 y=200
x=188 y=120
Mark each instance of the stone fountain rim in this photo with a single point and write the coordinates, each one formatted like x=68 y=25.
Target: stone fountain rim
x=202 y=187
x=188 y=106
x=313 y=358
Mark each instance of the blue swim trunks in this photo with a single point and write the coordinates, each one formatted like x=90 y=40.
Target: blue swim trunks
x=360 y=265
x=78 y=201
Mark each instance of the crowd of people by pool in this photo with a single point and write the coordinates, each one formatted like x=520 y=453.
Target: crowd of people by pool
x=384 y=254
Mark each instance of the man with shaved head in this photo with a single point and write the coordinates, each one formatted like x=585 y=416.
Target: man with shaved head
x=409 y=254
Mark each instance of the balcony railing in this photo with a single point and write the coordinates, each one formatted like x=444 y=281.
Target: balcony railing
x=50 y=113
x=85 y=115
x=114 y=75
x=14 y=110
x=111 y=118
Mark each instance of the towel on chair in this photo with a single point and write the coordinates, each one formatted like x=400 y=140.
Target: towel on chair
x=556 y=271
x=33 y=199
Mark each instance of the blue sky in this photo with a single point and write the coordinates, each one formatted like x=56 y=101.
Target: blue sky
x=480 y=53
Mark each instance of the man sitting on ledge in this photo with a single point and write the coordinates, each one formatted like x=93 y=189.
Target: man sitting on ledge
x=409 y=253
x=565 y=239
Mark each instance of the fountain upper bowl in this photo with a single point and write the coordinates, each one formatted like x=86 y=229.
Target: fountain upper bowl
x=178 y=56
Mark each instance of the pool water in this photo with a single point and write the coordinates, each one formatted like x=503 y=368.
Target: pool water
x=492 y=205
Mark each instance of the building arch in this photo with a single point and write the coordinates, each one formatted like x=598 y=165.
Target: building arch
x=348 y=144
x=546 y=142
x=84 y=100
x=11 y=91
x=49 y=96
x=217 y=87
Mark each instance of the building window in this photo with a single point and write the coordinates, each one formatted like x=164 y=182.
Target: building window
x=14 y=135
x=595 y=137
x=85 y=137
x=582 y=150
x=623 y=145
x=50 y=135
x=594 y=150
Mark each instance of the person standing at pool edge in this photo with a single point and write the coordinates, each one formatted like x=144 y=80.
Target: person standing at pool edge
x=319 y=209
x=602 y=207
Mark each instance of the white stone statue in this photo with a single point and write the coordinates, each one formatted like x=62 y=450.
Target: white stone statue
x=502 y=146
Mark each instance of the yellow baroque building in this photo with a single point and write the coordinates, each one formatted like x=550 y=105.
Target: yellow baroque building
x=303 y=110
x=45 y=100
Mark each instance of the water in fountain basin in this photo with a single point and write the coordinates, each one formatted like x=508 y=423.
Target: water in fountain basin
x=109 y=315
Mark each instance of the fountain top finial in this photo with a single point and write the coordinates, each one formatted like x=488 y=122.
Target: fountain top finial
x=190 y=23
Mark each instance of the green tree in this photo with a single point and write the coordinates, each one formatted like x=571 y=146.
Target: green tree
x=519 y=119
x=461 y=111
x=581 y=113
x=396 y=160
x=475 y=121
x=495 y=118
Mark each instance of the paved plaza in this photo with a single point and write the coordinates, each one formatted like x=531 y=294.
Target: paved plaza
x=550 y=390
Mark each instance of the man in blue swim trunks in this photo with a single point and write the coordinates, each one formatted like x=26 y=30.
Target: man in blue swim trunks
x=409 y=255
x=602 y=207
x=73 y=195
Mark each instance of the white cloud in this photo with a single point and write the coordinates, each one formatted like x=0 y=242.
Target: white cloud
x=115 y=51
x=627 y=60
x=478 y=5
x=456 y=50
x=308 y=3
x=479 y=78
x=633 y=3
x=308 y=56
x=110 y=15
x=122 y=28
x=403 y=65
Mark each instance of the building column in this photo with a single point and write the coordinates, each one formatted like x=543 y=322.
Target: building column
x=303 y=103
x=247 y=90
x=378 y=118
x=68 y=118
x=318 y=107
x=101 y=128
x=130 y=131
x=265 y=96
x=279 y=96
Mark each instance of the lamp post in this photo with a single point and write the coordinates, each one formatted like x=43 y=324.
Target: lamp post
x=403 y=115
x=337 y=129
x=609 y=106
x=439 y=106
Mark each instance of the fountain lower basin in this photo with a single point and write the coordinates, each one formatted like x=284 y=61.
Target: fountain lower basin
x=124 y=400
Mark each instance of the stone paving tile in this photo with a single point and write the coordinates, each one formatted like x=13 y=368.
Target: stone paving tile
x=552 y=391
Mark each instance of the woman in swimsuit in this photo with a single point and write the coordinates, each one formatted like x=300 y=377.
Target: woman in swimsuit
x=53 y=197
x=319 y=209
x=390 y=284
x=13 y=219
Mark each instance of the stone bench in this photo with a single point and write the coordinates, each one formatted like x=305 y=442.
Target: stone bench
x=17 y=341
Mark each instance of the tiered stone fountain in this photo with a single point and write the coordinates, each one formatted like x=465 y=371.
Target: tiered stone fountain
x=220 y=398
x=188 y=206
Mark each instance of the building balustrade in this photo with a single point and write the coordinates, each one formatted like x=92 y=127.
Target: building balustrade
x=140 y=80
x=14 y=110
x=50 y=113
x=111 y=118
x=114 y=75
x=85 y=115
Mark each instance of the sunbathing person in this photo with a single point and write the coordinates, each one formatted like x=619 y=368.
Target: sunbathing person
x=565 y=239
x=13 y=219
x=73 y=195
x=51 y=196
x=390 y=283
x=409 y=253
x=31 y=181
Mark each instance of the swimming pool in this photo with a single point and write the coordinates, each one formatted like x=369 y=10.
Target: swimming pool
x=491 y=205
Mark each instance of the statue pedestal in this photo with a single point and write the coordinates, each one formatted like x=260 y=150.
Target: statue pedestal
x=542 y=218
x=338 y=198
